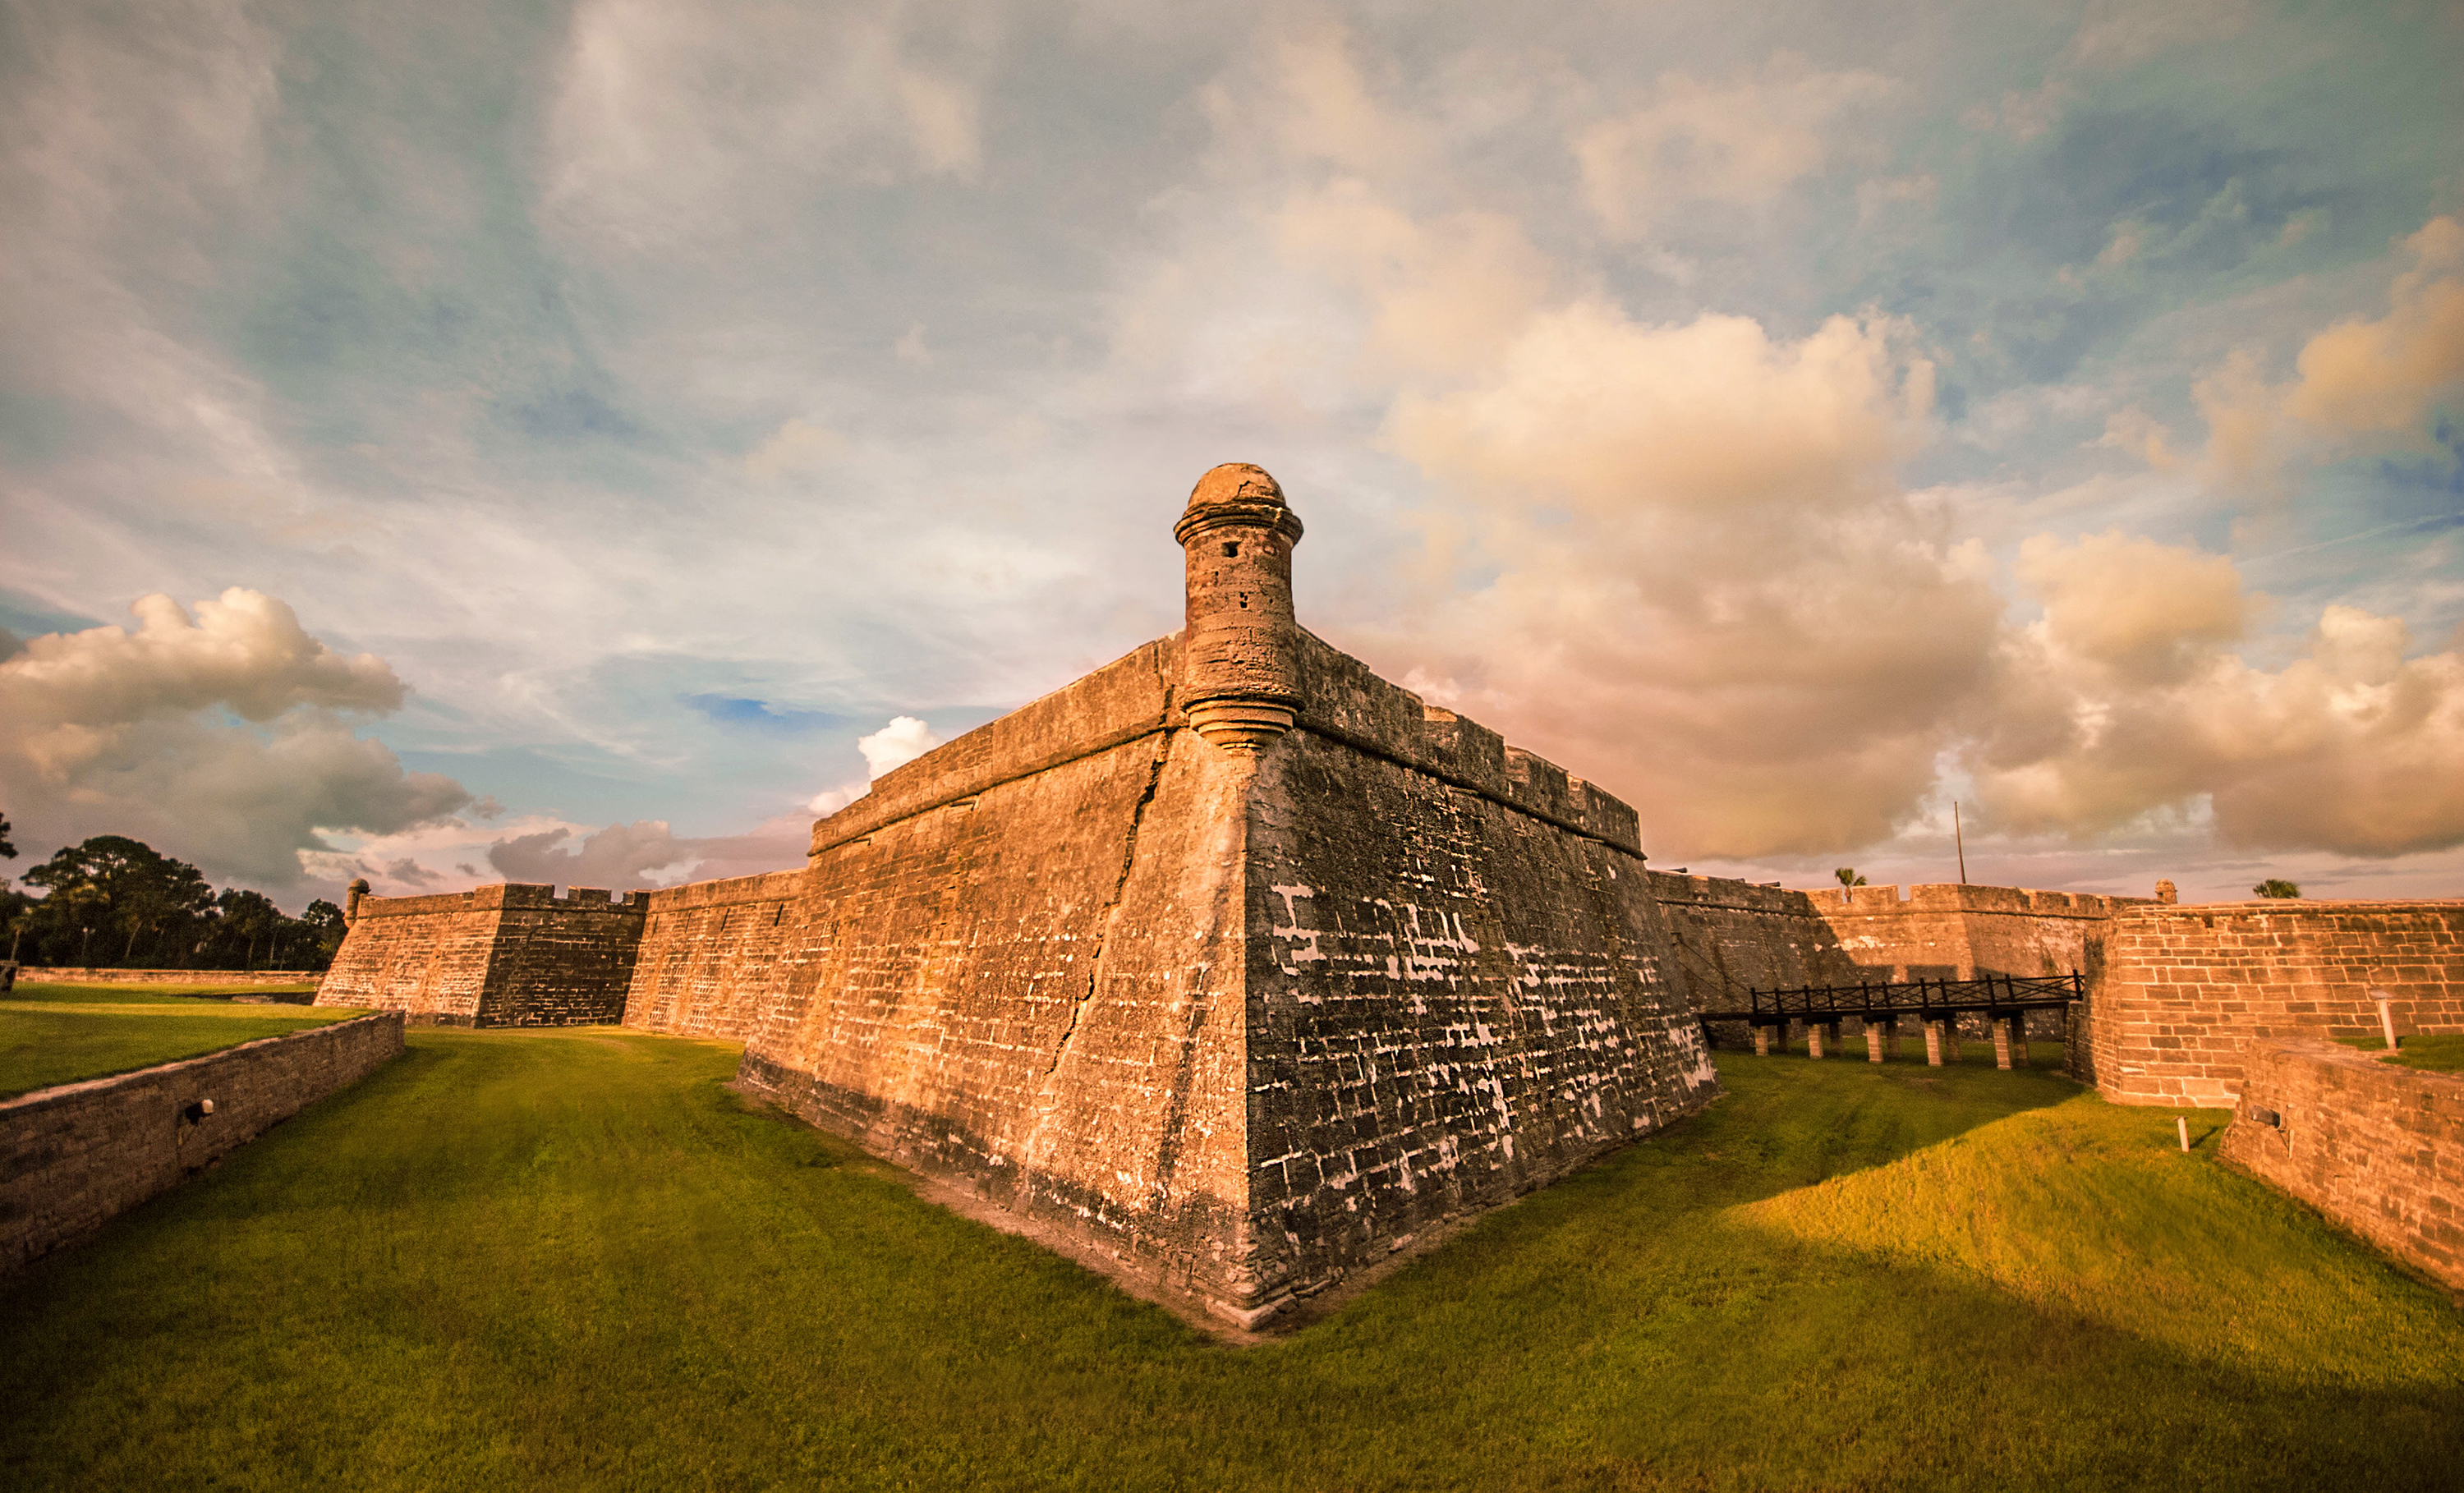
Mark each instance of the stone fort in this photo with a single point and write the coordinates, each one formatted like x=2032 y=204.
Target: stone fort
x=1232 y=969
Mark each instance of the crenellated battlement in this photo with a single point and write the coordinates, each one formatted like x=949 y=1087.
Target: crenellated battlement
x=514 y=953
x=1134 y=698
x=1955 y=897
x=507 y=894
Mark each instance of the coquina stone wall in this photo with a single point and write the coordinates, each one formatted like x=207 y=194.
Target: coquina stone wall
x=502 y=955
x=713 y=952
x=1459 y=985
x=75 y=1156
x=1021 y=971
x=2188 y=989
x=1733 y=936
x=2377 y=1147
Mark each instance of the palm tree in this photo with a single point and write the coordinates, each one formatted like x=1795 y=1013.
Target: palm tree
x=2275 y=886
x=1848 y=876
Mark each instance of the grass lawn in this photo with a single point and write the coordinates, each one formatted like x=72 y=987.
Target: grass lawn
x=58 y=1034
x=2433 y=1054
x=572 y=1259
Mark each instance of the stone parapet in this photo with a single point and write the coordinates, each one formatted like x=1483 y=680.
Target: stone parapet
x=1126 y=700
x=74 y=1156
x=2377 y=1147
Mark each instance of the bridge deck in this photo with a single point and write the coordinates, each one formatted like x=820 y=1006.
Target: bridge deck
x=1906 y=998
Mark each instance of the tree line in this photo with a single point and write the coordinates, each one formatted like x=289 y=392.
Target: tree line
x=116 y=903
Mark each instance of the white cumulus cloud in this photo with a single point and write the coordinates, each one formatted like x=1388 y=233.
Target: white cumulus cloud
x=115 y=731
x=895 y=745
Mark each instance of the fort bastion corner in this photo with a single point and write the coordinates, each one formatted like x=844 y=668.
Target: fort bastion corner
x=1231 y=968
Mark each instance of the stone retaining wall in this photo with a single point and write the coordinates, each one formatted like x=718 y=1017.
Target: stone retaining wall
x=2376 y=1147
x=73 y=976
x=2187 y=990
x=75 y=1156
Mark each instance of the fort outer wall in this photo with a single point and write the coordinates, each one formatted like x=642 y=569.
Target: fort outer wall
x=715 y=953
x=1732 y=937
x=503 y=955
x=2376 y=1147
x=1460 y=986
x=1231 y=966
x=2188 y=990
x=75 y=1156
x=1230 y=1028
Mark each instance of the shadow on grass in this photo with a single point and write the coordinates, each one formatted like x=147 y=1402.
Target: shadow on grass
x=509 y=1261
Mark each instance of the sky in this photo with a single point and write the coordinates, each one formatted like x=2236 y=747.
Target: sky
x=455 y=443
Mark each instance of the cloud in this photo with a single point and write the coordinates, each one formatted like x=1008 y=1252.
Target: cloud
x=894 y=745
x=2363 y=384
x=2127 y=700
x=110 y=731
x=1712 y=594
x=1444 y=296
x=1743 y=140
x=622 y=856
x=410 y=872
x=2112 y=35
x=669 y=125
x=2367 y=376
x=796 y=448
x=245 y=651
x=619 y=856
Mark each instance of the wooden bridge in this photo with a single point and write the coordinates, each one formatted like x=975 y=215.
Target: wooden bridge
x=2002 y=999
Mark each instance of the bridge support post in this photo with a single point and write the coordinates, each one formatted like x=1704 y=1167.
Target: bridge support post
x=2019 y=1038
x=1763 y=1039
x=1873 y=1040
x=1938 y=1037
x=1891 y=1037
x=1814 y=1038
x=2000 y=1021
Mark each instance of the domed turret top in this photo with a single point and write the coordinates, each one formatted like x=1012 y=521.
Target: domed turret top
x=1236 y=492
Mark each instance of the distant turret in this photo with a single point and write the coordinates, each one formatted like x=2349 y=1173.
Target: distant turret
x=358 y=889
x=1240 y=680
x=2164 y=892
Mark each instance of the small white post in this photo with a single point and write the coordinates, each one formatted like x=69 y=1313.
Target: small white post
x=2182 y=1125
x=2387 y=1022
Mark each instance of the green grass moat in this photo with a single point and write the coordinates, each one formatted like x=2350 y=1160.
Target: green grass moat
x=546 y=1260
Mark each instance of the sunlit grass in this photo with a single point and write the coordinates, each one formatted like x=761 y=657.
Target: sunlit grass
x=2431 y=1054
x=2443 y=1054
x=523 y=1260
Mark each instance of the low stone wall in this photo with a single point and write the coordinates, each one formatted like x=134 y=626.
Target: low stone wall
x=68 y=976
x=75 y=1156
x=2188 y=989
x=2376 y=1147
